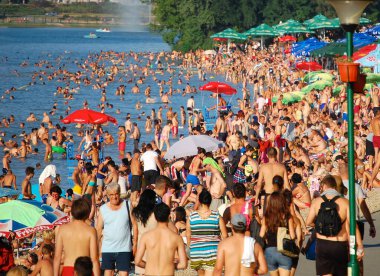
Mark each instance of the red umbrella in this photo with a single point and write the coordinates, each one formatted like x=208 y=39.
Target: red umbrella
x=287 y=38
x=88 y=116
x=309 y=66
x=220 y=39
x=218 y=87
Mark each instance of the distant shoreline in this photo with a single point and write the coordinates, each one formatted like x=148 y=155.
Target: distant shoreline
x=72 y=25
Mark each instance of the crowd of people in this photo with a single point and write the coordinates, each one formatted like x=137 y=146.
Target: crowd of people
x=214 y=212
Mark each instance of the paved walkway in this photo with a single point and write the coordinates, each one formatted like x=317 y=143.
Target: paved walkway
x=371 y=251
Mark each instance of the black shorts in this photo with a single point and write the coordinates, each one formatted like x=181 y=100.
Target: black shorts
x=369 y=149
x=119 y=260
x=150 y=177
x=222 y=136
x=136 y=183
x=331 y=257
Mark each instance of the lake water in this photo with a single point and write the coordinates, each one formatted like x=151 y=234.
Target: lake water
x=68 y=47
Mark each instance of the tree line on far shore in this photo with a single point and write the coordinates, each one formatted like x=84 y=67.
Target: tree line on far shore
x=187 y=25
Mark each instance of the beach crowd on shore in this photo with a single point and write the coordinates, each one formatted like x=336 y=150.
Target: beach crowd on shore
x=214 y=212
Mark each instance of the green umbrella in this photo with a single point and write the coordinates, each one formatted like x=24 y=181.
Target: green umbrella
x=292 y=27
x=230 y=34
x=20 y=212
x=262 y=30
x=318 y=85
x=317 y=75
x=331 y=50
x=321 y=22
x=337 y=90
x=362 y=21
x=372 y=78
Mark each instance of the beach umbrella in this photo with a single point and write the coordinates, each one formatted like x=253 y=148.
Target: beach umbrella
x=230 y=34
x=362 y=52
x=219 y=88
x=292 y=27
x=5 y=192
x=88 y=116
x=318 y=75
x=25 y=217
x=372 y=78
x=321 y=22
x=287 y=38
x=261 y=31
x=189 y=146
x=309 y=66
x=318 y=85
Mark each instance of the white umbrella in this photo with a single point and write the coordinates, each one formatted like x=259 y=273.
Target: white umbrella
x=209 y=52
x=189 y=146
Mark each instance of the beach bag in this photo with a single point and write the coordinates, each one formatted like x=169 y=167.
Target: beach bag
x=285 y=245
x=328 y=222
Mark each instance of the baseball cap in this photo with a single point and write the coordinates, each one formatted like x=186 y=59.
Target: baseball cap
x=239 y=222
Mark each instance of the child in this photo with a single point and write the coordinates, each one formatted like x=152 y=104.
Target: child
x=45 y=266
x=83 y=266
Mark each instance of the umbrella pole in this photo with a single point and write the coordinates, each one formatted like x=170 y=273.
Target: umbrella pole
x=217 y=102
x=262 y=44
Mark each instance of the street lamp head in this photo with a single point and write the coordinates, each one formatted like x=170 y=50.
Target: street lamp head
x=349 y=12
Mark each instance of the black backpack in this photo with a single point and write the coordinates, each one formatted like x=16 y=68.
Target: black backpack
x=328 y=222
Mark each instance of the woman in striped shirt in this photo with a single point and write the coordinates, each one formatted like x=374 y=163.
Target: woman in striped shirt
x=204 y=230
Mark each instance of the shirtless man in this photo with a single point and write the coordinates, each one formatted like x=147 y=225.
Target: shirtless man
x=31 y=118
x=6 y=161
x=137 y=172
x=26 y=186
x=230 y=252
x=160 y=247
x=334 y=249
x=128 y=123
x=45 y=118
x=233 y=141
x=165 y=135
x=121 y=140
x=268 y=170
x=76 y=239
x=135 y=89
x=9 y=180
x=135 y=136
x=221 y=128
x=45 y=266
x=165 y=98
x=192 y=178
x=108 y=138
x=217 y=185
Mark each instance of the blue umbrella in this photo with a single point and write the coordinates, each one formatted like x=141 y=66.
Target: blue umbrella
x=5 y=192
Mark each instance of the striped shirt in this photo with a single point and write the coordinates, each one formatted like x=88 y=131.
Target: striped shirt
x=205 y=237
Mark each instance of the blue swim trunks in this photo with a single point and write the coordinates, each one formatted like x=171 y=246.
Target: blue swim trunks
x=322 y=106
x=192 y=179
x=44 y=198
x=345 y=117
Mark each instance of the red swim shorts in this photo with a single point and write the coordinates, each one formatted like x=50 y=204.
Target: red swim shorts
x=376 y=141
x=122 y=146
x=67 y=271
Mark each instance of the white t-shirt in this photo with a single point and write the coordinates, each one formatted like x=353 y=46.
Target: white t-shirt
x=359 y=194
x=148 y=158
x=261 y=102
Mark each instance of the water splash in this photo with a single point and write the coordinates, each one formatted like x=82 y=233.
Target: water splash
x=136 y=15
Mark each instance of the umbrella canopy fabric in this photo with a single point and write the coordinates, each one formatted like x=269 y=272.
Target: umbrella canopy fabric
x=318 y=75
x=309 y=66
x=371 y=60
x=318 y=85
x=362 y=52
x=218 y=87
x=287 y=38
x=88 y=116
x=262 y=30
x=304 y=48
x=292 y=27
x=189 y=146
x=230 y=34
x=321 y=22
x=24 y=217
x=5 y=192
